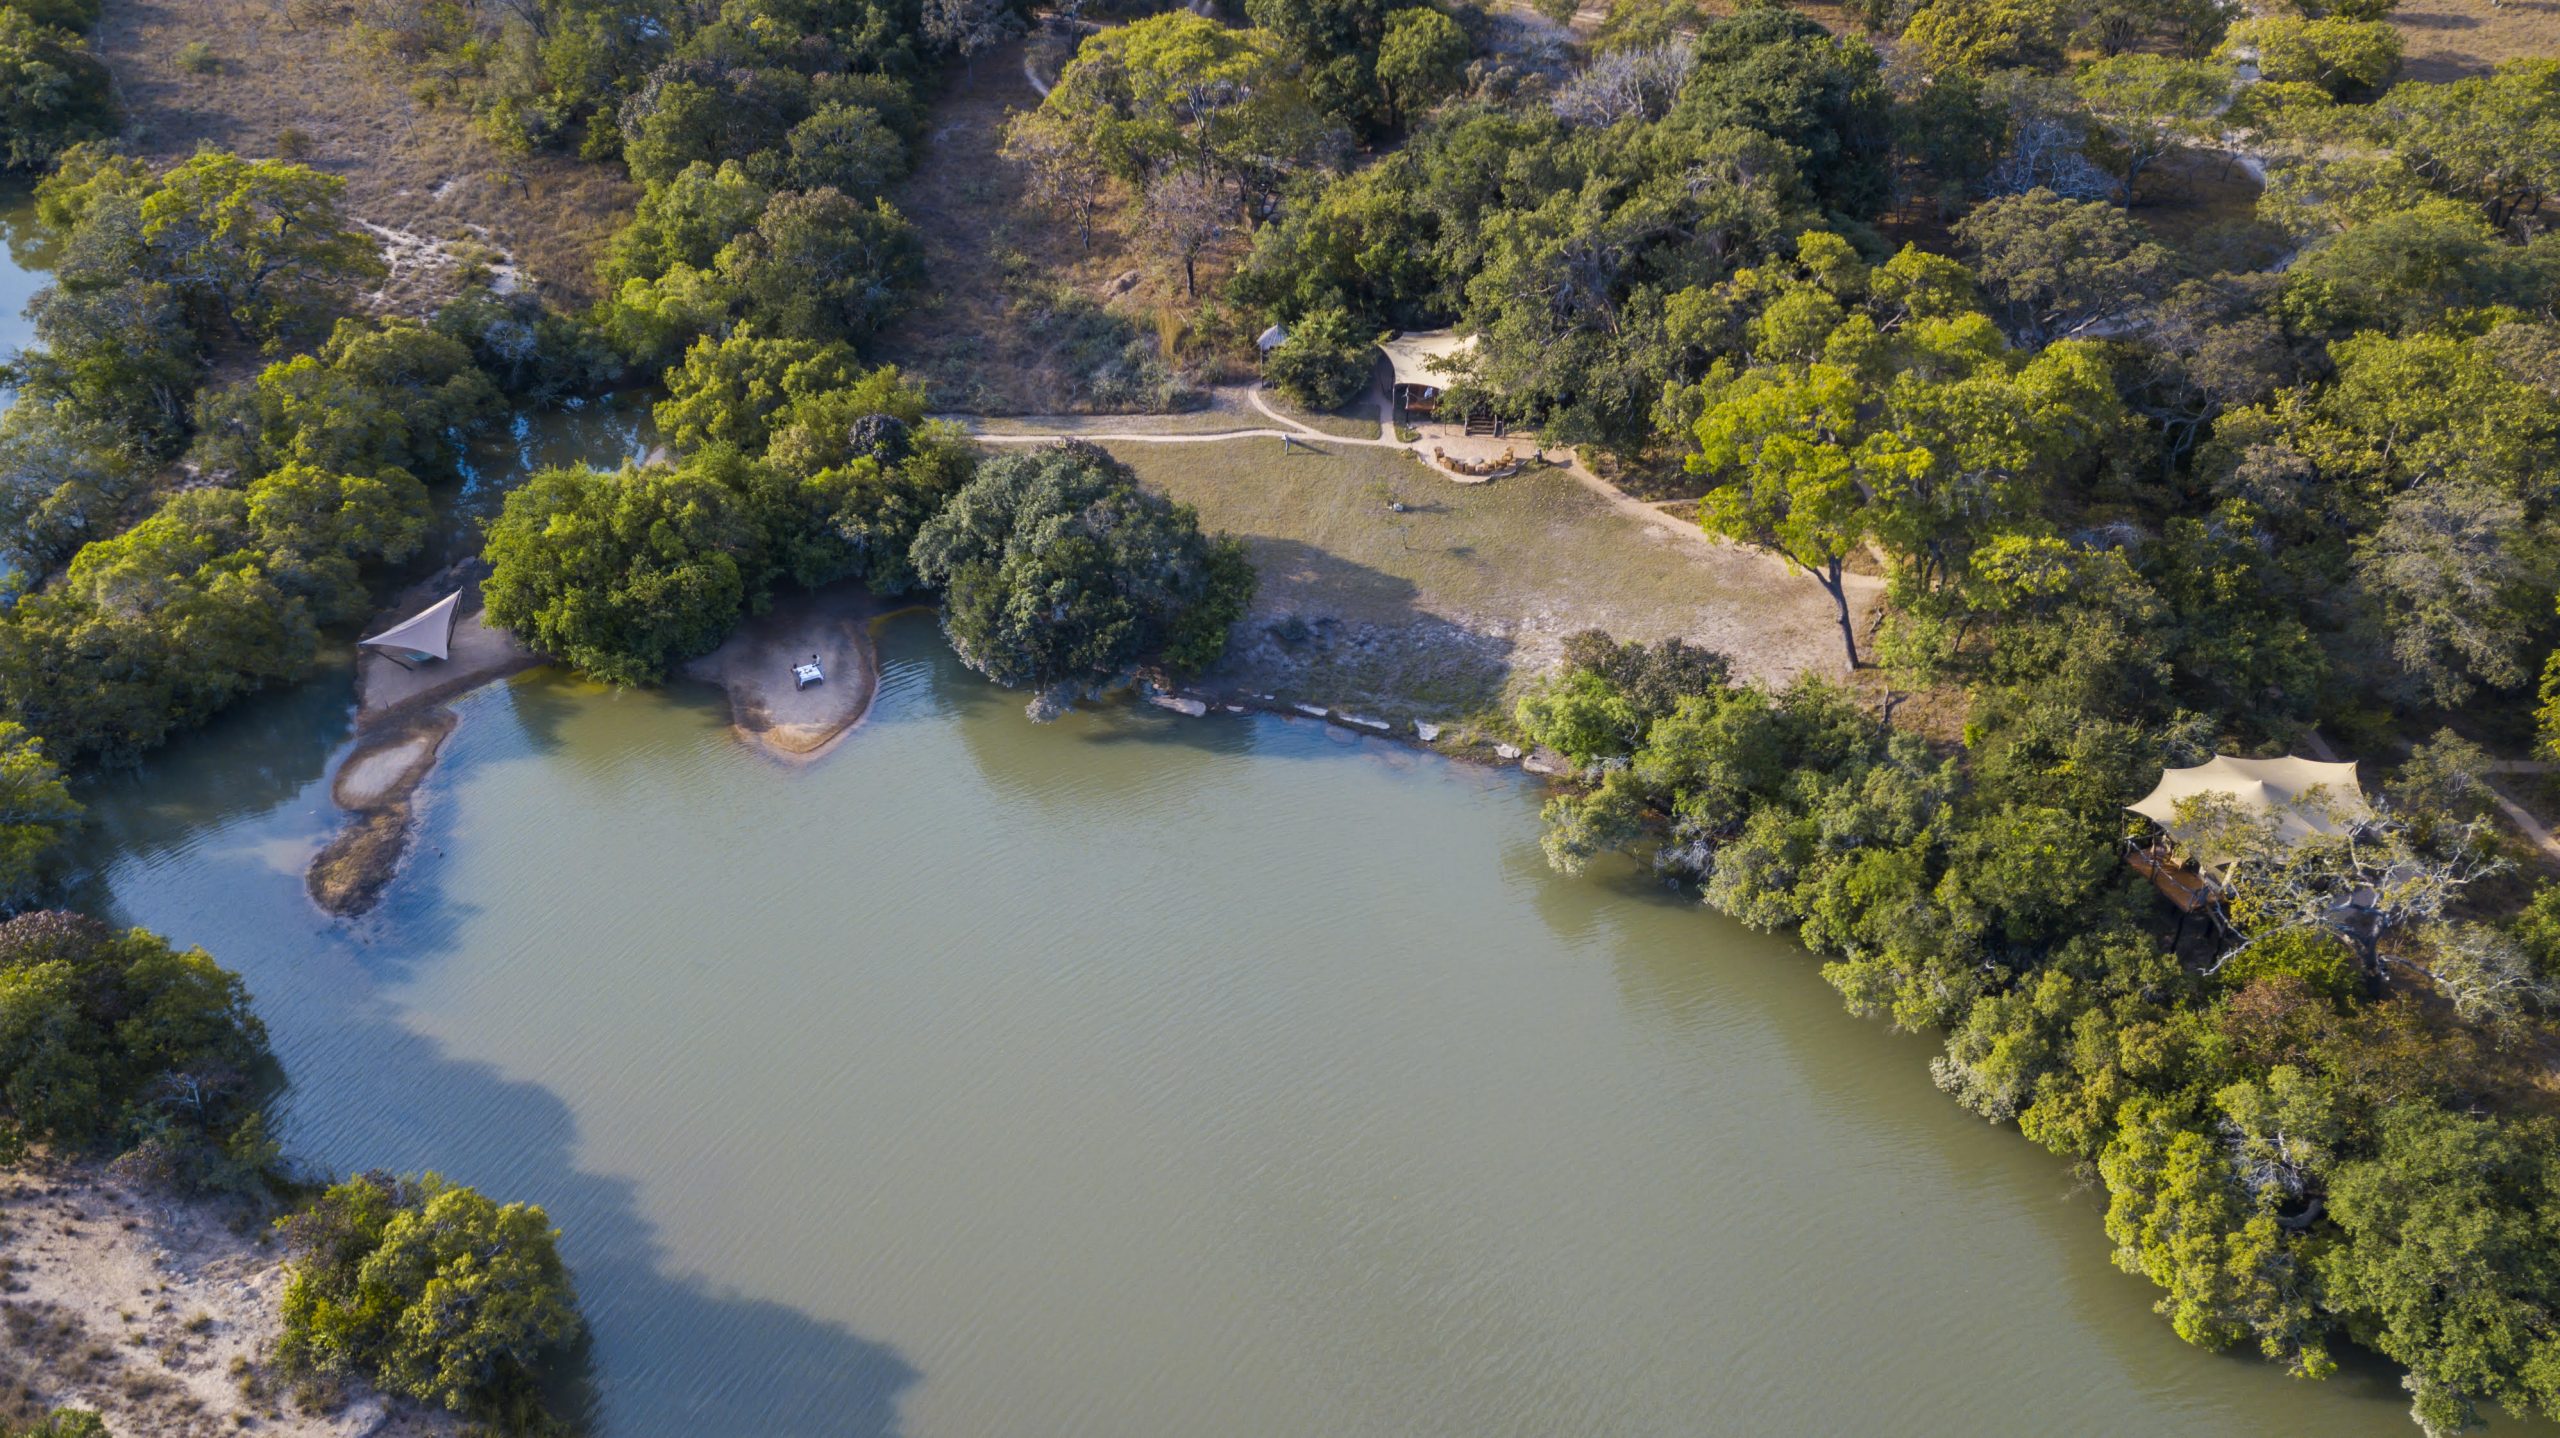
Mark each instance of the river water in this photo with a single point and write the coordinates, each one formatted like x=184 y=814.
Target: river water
x=1142 y=1077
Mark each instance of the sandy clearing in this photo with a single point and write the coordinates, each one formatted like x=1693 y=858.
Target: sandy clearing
x=766 y=706
x=481 y=653
x=374 y=784
x=154 y=1313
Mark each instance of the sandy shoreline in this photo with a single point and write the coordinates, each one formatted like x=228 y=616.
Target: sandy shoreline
x=153 y=1312
x=481 y=654
x=754 y=665
x=373 y=785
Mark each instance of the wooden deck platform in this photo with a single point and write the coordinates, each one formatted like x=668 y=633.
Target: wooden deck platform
x=2189 y=891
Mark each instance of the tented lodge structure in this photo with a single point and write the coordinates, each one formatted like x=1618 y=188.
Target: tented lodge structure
x=1421 y=361
x=2303 y=797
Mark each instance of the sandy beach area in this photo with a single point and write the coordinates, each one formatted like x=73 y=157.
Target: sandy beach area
x=481 y=654
x=373 y=785
x=755 y=665
x=154 y=1313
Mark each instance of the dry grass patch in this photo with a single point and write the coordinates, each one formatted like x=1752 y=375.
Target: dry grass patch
x=1021 y=314
x=233 y=74
x=2448 y=39
x=1441 y=608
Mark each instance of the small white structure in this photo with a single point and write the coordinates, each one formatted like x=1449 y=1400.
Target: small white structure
x=1272 y=339
x=804 y=675
x=424 y=637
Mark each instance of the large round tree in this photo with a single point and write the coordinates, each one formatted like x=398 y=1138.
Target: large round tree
x=1060 y=574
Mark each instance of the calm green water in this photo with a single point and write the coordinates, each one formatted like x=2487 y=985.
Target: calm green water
x=1143 y=1077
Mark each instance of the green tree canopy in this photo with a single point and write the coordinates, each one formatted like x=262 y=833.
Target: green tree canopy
x=430 y=1290
x=1059 y=574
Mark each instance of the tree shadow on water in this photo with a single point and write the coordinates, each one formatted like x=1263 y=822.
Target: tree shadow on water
x=673 y=1355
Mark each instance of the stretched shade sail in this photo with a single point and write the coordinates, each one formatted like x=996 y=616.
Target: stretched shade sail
x=427 y=636
x=2305 y=796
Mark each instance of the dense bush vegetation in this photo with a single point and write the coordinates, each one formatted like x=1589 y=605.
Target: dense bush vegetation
x=801 y=469
x=2135 y=496
x=428 y=1289
x=116 y=1043
x=1325 y=362
x=54 y=93
x=1060 y=575
x=764 y=133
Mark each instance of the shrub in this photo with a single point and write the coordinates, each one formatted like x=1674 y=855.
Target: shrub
x=1325 y=362
x=1581 y=715
x=2321 y=960
x=115 y=1041
x=197 y=58
x=2351 y=59
x=430 y=1290
x=53 y=92
x=625 y=575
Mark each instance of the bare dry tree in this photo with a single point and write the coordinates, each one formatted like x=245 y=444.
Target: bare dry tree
x=1185 y=213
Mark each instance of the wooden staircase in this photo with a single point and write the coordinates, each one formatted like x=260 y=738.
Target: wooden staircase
x=1478 y=422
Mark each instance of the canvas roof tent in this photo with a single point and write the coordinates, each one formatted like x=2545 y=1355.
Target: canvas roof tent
x=428 y=635
x=2305 y=796
x=1411 y=356
x=1272 y=339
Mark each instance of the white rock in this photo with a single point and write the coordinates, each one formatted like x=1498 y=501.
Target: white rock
x=1506 y=751
x=1235 y=709
x=1381 y=725
x=1316 y=711
x=1427 y=733
x=1546 y=761
x=1179 y=704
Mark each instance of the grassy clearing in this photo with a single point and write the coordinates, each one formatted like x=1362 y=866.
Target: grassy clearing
x=233 y=74
x=1442 y=609
x=2448 y=39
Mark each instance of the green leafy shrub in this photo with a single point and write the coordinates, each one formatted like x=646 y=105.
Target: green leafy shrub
x=2320 y=960
x=2351 y=59
x=216 y=595
x=116 y=1042
x=430 y=1290
x=1325 y=362
x=54 y=93
x=37 y=818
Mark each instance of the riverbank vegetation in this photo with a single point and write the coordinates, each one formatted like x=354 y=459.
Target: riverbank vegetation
x=1060 y=575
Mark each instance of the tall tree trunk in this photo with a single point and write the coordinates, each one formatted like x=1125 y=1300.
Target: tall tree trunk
x=1831 y=576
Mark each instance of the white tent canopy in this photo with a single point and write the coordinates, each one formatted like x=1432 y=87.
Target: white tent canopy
x=429 y=635
x=1411 y=355
x=1272 y=338
x=2305 y=796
